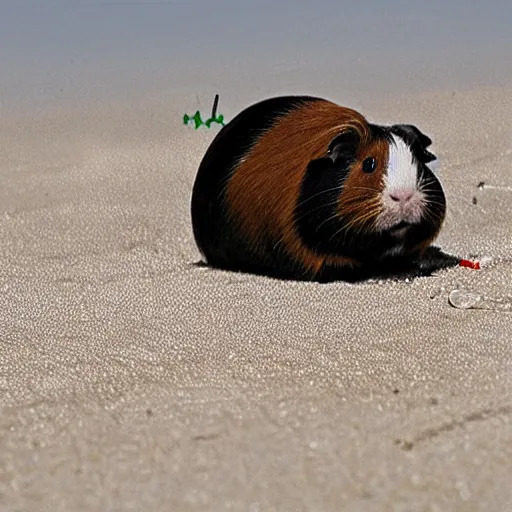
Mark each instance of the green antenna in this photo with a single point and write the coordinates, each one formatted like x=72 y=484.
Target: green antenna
x=219 y=119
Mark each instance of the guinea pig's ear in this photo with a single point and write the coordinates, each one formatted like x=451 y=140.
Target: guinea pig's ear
x=416 y=140
x=344 y=146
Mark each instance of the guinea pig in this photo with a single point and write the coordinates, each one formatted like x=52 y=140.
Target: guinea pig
x=299 y=187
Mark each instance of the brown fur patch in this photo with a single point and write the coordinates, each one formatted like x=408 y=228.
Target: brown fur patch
x=360 y=201
x=263 y=191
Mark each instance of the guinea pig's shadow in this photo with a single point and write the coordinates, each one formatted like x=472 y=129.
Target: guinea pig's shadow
x=433 y=260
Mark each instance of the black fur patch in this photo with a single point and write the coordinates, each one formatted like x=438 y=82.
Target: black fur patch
x=416 y=140
x=215 y=238
x=315 y=213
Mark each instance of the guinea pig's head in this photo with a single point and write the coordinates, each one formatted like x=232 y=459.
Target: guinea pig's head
x=373 y=195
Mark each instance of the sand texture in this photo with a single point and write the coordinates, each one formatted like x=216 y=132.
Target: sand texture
x=132 y=379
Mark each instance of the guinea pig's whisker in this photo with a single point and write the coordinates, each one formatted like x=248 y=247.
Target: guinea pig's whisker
x=430 y=209
x=431 y=214
x=426 y=186
x=350 y=227
x=278 y=243
x=356 y=202
x=449 y=206
x=336 y=233
x=433 y=201
x=421 y=180
x=428 y=215
x=355 y=212
x=430 y=186
x=329 y=219
x=361 y=220
x=354 y=187
x=456 y=192
x=431 y=193
x=362 y=223
x=331 y=203
x=326 y=191
x=373 y=223
x=356 y=206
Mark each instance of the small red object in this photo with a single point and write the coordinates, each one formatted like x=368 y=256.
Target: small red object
x=475 y=265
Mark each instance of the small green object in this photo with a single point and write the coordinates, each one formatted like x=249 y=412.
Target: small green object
x=197 y=119
x=219 y=119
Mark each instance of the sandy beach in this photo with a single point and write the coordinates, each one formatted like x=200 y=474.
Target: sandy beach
x=133 y=379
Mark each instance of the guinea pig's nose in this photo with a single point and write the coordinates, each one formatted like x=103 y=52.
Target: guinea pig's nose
x=401 y=195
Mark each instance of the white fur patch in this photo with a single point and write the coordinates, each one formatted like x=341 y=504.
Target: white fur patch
x=402 y=173
x=402 y=201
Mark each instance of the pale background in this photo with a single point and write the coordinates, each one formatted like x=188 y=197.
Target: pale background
x=53 y=52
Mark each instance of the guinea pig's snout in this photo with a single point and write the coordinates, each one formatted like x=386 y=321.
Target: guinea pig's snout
x=401 y=205
x=406 y=202
x=401 y=195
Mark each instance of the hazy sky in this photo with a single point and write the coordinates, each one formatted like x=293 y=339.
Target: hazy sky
x=80 y=49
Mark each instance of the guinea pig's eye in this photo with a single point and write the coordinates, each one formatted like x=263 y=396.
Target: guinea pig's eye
x=369 y=164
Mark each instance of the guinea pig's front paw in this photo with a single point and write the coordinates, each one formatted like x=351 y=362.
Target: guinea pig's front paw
x=434 y=259
x=430 y=261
